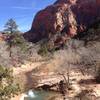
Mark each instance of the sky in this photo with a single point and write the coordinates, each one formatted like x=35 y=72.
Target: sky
x=22 y=11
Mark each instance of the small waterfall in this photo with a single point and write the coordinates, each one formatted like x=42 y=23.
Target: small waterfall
x=31 y=94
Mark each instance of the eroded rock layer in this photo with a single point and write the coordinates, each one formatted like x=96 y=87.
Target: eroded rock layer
x=67 y=17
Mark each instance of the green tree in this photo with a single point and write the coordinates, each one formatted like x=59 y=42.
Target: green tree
x=10 y=29
x=8 y=88
x=11 y=26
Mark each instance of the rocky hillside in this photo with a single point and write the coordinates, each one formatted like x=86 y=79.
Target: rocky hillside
x=42 y=65
x=64 y=17
x=19 y=53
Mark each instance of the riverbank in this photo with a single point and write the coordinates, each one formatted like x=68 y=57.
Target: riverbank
x=65 y=62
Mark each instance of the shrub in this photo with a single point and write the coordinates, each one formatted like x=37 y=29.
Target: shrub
x=16 y=40
x=43 y=51
x=8 y=88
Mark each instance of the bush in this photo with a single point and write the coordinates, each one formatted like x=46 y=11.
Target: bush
x=43 y=51
x=8 y=88
x=17 y=40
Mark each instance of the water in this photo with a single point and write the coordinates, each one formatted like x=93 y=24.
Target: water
x=31 y=94
x=38 y=95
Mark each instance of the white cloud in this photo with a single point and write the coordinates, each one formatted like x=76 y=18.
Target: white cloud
x=26 y=8
x=22 y=8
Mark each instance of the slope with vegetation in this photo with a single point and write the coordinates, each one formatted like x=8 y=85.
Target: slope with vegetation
x=70 y=67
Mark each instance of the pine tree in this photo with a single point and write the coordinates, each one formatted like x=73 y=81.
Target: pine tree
x=11 y=26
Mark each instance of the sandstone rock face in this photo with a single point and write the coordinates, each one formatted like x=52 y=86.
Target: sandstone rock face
x=67 y=17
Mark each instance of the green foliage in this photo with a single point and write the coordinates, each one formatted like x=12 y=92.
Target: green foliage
x=18 y=40
x=43 y=51
x=8 y=88
x=46 y=47
x=11 y=26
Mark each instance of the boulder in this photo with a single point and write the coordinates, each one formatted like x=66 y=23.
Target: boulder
x=64 y=17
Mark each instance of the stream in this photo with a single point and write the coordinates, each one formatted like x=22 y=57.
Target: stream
x=38 y=95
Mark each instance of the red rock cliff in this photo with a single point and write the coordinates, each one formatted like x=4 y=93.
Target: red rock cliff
x=64 y=16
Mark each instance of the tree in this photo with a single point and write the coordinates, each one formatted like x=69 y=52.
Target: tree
x=8 y=88
x=11 y=26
